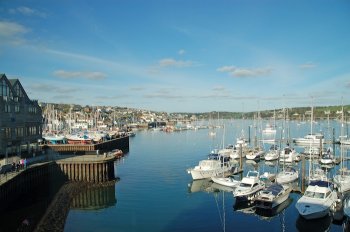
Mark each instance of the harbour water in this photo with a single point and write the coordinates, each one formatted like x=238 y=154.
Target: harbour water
x=155 y=193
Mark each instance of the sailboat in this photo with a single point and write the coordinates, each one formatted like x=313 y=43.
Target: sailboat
x=273 y=153
x=342 y=179
x=288 y=174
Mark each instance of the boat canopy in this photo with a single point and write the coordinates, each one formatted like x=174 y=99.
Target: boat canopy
x=275 y=189
x=320 y=183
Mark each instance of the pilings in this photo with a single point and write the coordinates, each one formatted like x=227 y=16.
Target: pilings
x=88 y=168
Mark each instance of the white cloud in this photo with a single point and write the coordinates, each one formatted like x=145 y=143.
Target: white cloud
x=170 y=62
x=226 y=69
x=11 y=32
x=308 y=65
x=244 y=72
x=27 y=11
x=85 y=75
x=181 y=51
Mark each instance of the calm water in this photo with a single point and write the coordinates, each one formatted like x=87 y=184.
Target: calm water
x=155 y=193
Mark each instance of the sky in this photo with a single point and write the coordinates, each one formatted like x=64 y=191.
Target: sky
x=179 y=55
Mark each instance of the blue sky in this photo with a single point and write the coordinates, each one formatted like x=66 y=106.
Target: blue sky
x=180 y=55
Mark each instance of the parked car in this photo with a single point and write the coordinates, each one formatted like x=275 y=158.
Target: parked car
x=5 y=168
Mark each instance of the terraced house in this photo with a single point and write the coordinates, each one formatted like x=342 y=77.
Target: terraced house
x=20 y=120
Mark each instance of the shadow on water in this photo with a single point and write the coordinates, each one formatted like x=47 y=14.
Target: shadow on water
x=320 y=224
x=24 y=213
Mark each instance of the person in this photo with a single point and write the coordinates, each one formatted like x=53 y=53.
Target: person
x=25 y=163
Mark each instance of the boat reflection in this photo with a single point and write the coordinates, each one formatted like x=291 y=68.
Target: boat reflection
x=270 y=213
x=218 y=187
x=246 y=207
x=202 y=185
x=320 y=224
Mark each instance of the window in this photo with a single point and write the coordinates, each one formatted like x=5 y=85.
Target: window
x=7 y=132
x=7 y=108
x=17 y=108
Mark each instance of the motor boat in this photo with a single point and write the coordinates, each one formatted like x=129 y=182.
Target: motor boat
x=272 y=196
x=209 y=168
x=310 y=140
x=317 y=200
x=249 y=186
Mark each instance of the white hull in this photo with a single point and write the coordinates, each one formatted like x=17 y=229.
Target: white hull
x=269 y=201
x=247 y=194
x=272 y=156
x=226 y=181
x=316 y=201
x=203 y=174
x=342 y=183
x=314 y=215
x=347 y=207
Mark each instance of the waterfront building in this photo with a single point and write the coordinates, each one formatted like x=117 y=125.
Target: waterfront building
x=20 y=119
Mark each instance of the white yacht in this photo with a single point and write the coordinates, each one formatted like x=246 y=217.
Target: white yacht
x=287 y=175
x=310 y=140
x=317 y=200
x=272 y=196
x=209 y=168
x=269 y=129
x=248 y=187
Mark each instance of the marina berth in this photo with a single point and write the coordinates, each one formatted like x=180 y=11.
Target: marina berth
x=272 y=196
x=317 y=200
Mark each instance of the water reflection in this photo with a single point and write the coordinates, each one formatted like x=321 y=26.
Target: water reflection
x=268 y=214
x=199 y=186
x=320 y=224
x=95 y=198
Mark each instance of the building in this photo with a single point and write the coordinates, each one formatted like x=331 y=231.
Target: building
x=20 y=120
